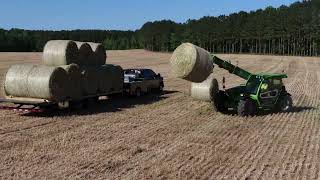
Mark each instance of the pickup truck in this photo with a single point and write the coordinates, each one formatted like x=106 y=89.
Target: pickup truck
x=142 y=81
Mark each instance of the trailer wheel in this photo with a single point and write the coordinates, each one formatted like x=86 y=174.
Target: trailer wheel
x=63 y=104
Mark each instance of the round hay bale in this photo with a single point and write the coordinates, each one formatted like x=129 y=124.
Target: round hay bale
x=85 y=53
x=206 y=90
x=60 y=52
x=75 y=81
x=99 y=54
x=105 y=78
x=118 y=76
x=16 y=80
x=90 y=80
x=47 y=82
x=191 y=63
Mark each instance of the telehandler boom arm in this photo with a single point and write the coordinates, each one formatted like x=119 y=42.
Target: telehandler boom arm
x=231 y=68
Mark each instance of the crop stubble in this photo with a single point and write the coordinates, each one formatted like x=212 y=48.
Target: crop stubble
x=172 y=136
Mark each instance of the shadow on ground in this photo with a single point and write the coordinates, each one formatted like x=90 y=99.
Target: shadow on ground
x=295 y=109
x=108 y=105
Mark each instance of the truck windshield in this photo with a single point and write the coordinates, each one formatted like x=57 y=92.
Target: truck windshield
x=253 y=85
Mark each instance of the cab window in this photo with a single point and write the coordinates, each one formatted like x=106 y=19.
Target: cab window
x=253 y=85
x=148 y=74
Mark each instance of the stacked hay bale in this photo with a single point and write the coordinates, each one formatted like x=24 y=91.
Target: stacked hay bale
x=74 y=87
x=90 y=77
x=113 y=74
x=71 y=70
x=85 y=53
x=117 y=71
x=99 y=56
x=36 y=81
x=60 y=52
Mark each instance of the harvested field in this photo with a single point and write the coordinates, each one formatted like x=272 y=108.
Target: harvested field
x=171 y=136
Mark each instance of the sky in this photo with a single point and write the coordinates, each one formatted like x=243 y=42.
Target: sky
x=116 y=14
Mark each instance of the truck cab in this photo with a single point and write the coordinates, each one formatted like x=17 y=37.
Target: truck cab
x=141 y=81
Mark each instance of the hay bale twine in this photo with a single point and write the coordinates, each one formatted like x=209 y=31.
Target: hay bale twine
x=206 y=90
x=99 y=53
x=85 y=53
x=75 y=81
x=60 y=52
x=191 y=63
x=16 y=80
x=90 y=80
x=47 y=82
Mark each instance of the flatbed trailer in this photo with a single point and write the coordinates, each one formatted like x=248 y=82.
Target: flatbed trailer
x=23 y=104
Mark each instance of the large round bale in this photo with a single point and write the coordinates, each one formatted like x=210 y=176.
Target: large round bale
x=48 y=82
x=99 y=56
x=106 y=77
x=117 y=78
x=75 y=81
x=85 y=53
x=60 y=52
x=191 y=63
x=206 y=90
x=16 y=80
x=90 y=80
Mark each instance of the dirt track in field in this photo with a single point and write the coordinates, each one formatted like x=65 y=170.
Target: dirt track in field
x=171 y=136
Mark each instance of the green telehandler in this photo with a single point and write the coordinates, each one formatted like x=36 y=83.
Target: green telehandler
x=261 y=92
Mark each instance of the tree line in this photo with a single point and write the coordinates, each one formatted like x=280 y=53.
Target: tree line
x=34 y=40
x=287 y=30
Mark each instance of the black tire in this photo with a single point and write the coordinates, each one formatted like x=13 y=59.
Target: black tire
x=138 y=92
x=160 y=88
x=284 y=104
x=246 y=108
x=218 y=102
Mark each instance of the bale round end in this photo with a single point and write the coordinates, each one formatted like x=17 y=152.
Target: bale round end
x=60 y=52
x=15 y=82
x=99 y=54
x=90 y=79
x=183 y=60
x=85 y=53
x=191 y=63
x=74 y=87
x=205 y=91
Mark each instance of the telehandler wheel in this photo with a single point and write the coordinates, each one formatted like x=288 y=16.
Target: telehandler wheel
x=284 y=104
x=246 y=108
x=218 y=101
x=160 y=89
